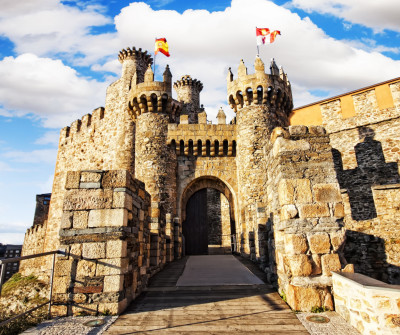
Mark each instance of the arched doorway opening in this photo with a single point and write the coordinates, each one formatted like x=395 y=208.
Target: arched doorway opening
x=208 y=217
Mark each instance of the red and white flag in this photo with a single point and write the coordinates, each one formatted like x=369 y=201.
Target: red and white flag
x=264 y=36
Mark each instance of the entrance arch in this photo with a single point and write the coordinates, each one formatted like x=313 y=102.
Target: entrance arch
x=208 y=216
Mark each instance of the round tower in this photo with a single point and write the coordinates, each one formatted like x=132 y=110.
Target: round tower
x=134 y=62
x=152 y=109
x=188 y=91
x=261 y=102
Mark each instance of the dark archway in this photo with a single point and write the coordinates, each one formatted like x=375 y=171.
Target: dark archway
x=208 y=217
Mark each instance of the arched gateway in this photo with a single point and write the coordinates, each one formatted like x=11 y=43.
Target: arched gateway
x=207 y=209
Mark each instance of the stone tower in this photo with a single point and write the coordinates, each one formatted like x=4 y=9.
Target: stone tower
x=261 y=102
x=152 y=109
x=188 y=91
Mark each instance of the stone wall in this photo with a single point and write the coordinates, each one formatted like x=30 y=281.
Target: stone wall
x=305 y=210
x=369 y=305
x=105 y=234
x=366 y=150
x=34 y=238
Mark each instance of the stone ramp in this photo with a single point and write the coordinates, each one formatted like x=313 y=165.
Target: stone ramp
x=214 y=309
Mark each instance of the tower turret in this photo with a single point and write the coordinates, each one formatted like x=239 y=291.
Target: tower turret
x=188 y=91
x=261 y=102
x=134 y=63
x=152 y=108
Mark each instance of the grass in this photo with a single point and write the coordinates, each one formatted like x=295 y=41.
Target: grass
x=24 y=286
x=15 y=282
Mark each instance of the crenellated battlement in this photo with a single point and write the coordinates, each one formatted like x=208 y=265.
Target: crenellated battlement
x=259 y=88
x=186 y=83
x=82 y=125
x=153 y=96
x=134 y=54
x=203 y=139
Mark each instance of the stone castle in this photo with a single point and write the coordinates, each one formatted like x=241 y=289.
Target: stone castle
x=146 y=179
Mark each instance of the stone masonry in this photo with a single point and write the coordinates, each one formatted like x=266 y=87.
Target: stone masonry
x=281 y=195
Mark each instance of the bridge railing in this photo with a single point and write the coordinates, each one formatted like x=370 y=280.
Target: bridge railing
x=4 y=262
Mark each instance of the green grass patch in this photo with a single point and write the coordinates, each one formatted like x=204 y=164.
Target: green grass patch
x=15 y=282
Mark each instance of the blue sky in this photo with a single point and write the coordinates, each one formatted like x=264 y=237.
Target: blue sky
x=58 y=57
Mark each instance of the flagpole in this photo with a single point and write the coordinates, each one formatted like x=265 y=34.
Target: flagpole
x=154 y=68
x=258 y=48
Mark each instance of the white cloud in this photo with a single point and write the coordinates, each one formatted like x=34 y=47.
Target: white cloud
x=49 y=137
x=378 y=15
x=47 y=27
x=205 y=44
x=13 y=238
x=47 y=89
x=47 y=156
x=47 y=186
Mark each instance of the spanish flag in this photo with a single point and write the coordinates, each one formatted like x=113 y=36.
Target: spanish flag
x=162 y=46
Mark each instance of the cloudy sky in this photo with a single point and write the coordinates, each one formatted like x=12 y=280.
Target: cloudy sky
x=57 y=58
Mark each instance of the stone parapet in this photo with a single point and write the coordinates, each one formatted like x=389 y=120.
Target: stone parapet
x=306 y=213
x=203 y=139
x=369 y=305
x=105 y=234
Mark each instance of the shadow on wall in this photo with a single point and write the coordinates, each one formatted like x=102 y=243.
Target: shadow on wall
x=369 y=253
x=372 y=170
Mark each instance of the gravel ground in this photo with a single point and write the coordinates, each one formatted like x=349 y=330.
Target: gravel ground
x=336 y=325
x=73 y=325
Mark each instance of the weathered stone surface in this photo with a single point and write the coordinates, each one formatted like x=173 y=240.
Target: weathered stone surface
x=299 y=265
x=294 y=191
x=319 y=243
x=94 y=250
x=80 y=219
x=330 y=262
x=289 y=212
x=113 y=283
x=86 y=268
x=337 y=239
x=108 y=218
x=116 y=248
x=313 y=210
x=327 y=192
x=72 y=180
x=302 y=298
x=295 y=244
x=88 y=199
x=114 y=266
x=283 y=145
x=90 y=177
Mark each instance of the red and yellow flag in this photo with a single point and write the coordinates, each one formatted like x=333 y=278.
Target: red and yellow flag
x=262 y=35
x=162 y=46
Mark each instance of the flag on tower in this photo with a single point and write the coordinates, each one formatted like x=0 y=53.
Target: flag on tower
x=262 y=34
x=263 y=38
x=162 y=46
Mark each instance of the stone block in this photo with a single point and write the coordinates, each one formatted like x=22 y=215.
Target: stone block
x=328 y=302
x=298 y=130
x=63 y=267
x=338 y=210
x=85 y=199
x=59 y=310
x=313 y=210
x=113 y=283
x=295 y=244
x=294 y=191
x=327 y=193
x=319 y=243
x=113 y=266
x=88 y=289
x=116 y=248
x=66 y=220
x=94 y=250
x=299 y=265
x=316 y=264
x=72 y=180
x=303 y=298
x=278 y=132
x=116 y=178
x=337 y=239
x=288 y=212
x=80 y=220
x=113 y=308
x=283 y=145
x=122 y=200
x=329 y=263
x=90 y=177
x=117 y=217
x=86 y=268
x=76 y=250
x=87 y=309
x=61 y=284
